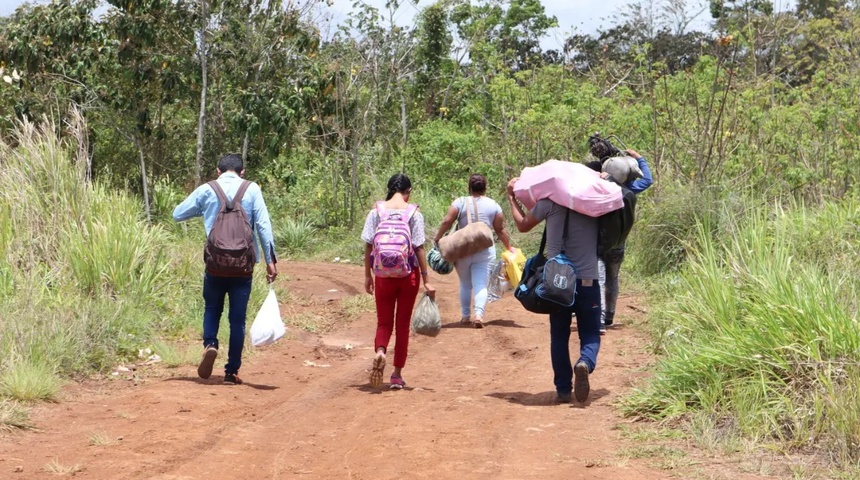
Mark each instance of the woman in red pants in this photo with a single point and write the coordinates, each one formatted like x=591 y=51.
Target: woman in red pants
x=393 y=260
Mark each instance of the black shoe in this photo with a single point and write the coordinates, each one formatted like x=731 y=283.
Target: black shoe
x=564 y=398
x=204 y=370
x=610 y=317
x=232 y=379
x=580 y=382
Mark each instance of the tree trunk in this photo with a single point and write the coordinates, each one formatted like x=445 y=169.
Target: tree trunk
x=143 y=179
x=245 y=147
x=404 y=126
x=201 y=124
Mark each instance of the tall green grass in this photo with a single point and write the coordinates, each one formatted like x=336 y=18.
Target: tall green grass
x=84 y=281
x=760 y=329
x=294 y=236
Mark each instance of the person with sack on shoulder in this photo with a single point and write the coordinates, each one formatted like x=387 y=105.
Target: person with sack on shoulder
x=393 y=260
x=232 y=210
x=581 y=248
x=610 y=260
x=474 y=269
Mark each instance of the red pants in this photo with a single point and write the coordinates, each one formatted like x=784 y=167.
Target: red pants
x=391 y=294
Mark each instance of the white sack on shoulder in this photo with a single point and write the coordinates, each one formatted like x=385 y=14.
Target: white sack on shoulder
x=268 y=326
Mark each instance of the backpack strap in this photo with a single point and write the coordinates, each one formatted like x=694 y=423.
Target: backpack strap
x=542 y=243
x=219 y=192
x=226 y=204
x=381 y=211
x=411 y=208
x=237 y=199
x=564 y=235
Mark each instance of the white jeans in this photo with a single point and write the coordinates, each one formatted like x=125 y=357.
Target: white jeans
x=474 y=273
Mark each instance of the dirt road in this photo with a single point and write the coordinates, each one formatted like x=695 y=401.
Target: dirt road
x=479 y=404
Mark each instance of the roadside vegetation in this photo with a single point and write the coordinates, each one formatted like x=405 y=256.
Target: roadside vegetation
x=747 y=244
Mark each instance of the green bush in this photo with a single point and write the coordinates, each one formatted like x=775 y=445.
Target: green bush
x=761 y=330
x=294 y=236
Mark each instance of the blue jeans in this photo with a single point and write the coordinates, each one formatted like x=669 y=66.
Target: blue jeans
x=214 y=291
x=587 y=310
x=474 y=273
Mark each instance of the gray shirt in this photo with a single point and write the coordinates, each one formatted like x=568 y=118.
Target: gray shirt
x=581 y=245
x=487 y=210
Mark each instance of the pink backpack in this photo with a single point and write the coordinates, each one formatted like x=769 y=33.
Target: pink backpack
x=393 y=255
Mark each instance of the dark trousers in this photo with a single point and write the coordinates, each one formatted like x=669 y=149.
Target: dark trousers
x=587 y=310
x=215 y=289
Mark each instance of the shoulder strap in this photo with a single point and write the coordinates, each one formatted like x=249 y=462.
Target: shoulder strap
x=219 y=192
x=381 y=210
x=542 y=242
x=564 y=235
x=475 y=208
x=237 y=199
x=411 y=208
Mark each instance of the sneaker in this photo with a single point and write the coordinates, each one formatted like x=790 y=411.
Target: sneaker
x=602 y=329
x=580 y=384
x=232 y=379
x=465 y=320
x=479 y=322
x=397 y=383
x=564 y=398
x=204 y=370
x=377 y=369
x=610 y=318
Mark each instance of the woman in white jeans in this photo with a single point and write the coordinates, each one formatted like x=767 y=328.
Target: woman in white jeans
x=474 y=271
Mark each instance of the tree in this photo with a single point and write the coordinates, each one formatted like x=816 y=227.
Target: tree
x=432 y=52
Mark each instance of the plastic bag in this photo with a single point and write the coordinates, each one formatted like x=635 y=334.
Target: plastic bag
x=268 y=326
x=497 y=284
x=426 y=320
x=514 y=263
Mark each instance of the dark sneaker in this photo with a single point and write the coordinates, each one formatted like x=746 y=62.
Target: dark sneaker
x=204 y=370
x=232 y=379
x=609 y=319
x=580 y=383
x=564 y=398
x=602 y=329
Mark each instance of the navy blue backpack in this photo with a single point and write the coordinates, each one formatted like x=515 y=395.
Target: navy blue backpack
x=548 y=285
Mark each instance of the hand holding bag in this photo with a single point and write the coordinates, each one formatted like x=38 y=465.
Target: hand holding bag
x=469 y=240
x=426 y=319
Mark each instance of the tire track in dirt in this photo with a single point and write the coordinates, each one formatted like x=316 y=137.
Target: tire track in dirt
x=480 y=404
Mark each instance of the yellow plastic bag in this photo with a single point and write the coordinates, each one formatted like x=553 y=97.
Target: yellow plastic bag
x=514 y=264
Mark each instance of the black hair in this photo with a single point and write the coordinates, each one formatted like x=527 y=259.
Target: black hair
x=398 y=183
x=232 y=162
x=477 y=183
x=595 y=165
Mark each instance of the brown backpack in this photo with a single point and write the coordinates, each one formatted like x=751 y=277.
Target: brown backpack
x=229 y=250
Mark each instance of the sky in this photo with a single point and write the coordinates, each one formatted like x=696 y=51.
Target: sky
x=582 y=16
